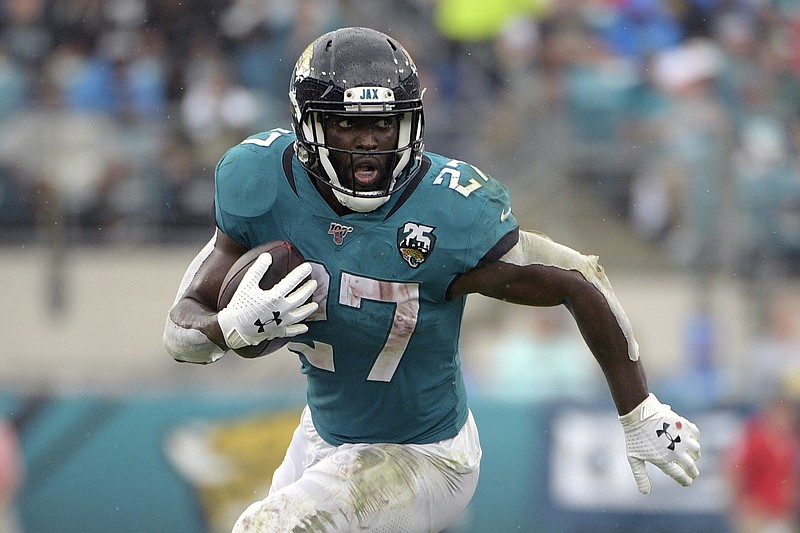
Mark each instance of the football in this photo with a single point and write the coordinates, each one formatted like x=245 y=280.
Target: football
x=285 y=257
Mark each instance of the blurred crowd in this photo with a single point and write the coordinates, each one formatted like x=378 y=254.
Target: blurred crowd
x=113 y=113
x=682 y=116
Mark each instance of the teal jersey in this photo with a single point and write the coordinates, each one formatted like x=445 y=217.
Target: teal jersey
x=382 y=352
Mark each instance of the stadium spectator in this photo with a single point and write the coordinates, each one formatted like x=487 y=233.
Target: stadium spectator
x=79 y=146
x=691 y=139
x=12 y=471
x=773 y=357
x=763 y=468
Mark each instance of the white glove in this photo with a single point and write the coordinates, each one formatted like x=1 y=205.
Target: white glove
x=255 y=315
x=654 y=433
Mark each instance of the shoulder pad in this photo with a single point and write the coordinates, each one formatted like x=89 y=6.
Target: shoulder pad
x=247 y=177
x=464 y=179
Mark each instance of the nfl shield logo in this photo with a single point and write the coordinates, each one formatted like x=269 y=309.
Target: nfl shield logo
x=415 y=243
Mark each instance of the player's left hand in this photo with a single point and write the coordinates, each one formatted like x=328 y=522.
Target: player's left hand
x=656 y=434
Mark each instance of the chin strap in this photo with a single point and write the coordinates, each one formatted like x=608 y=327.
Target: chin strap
x=360 y=204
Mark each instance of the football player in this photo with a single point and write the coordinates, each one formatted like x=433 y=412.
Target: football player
x=395 y=238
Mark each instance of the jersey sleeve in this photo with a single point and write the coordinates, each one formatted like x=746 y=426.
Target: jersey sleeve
x=494 y=229
x=246 y=186
x=470 y=213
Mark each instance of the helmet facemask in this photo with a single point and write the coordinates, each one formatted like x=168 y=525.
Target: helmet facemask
x=404 y=157
x=317 y=93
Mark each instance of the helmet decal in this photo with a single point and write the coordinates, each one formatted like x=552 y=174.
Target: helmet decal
x=303 y=66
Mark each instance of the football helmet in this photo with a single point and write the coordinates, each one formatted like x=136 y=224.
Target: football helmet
x=356 y=71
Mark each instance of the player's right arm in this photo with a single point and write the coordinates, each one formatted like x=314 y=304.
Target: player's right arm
x=192 y=333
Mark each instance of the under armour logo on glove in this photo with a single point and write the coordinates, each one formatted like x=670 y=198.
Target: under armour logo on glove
x=287 y=302
x=276 y=317
x=672 y=441
x=646 y=428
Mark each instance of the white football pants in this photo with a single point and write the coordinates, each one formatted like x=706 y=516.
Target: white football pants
x=380 y=488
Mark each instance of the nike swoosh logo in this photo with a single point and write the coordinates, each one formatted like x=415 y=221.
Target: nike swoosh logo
x=505 y=214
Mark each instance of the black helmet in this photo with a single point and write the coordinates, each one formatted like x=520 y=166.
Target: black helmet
x=356 y=71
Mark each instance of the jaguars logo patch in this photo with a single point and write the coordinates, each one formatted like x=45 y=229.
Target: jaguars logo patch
x=415 y=243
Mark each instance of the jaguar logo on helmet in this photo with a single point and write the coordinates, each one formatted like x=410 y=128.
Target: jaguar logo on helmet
x=415 y=243
x=303 y=66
